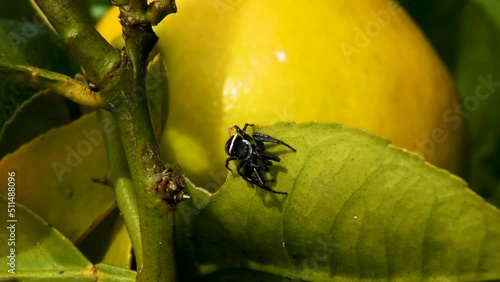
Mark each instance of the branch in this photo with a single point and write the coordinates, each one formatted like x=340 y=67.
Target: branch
x=118 y=178
x=120 y=78
x=159 y=9
x=96 y=56
x=75 y=90
x=141 y=148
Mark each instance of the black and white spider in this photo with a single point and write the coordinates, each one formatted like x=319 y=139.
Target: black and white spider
x=251 y=152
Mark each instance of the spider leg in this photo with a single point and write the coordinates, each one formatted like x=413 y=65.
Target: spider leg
x=228 y=160
x=258 y=179
x=274 y=191
x=262 y=183
x=247 y=125
x=240 y=166
x=266 y=157
x=243 y=133
x=246 y=174
x=266 y=162
x=266 y=138
x=263 y=167
x=247 y=168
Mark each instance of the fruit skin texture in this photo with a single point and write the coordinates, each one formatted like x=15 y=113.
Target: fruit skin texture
x=364 y=64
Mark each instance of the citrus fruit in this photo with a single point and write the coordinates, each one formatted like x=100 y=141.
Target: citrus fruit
x=363 y=64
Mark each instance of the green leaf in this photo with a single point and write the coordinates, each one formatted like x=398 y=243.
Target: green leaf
x=41 y=47
x=492 y=10
x=53 y=177
x=157 y=89
x=12 y=94
x=109 y=273
x=358 y=209
x=477 y=75
x=16 y=10
x=109 y=242
x=465 y=33
x=40 y=250
x=29 y=43
x=37 y=115
x=42 y=253
x=9 y=51
x=238 y=274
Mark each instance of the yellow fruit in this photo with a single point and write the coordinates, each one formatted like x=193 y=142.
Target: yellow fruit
x=364 y=64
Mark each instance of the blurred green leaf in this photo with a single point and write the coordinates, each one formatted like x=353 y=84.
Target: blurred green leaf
x=16 y=10
x=109 y=273
x=12 y=93
x=238 y=274
x=35 y=116
x=39 y=248
x=358 y=208
x=25 y=43
x=40 y=46
x=98 y=8
x=9 y=51
x=53 y=177
x=492 y=9
x=465 y=33
x=109 y=242
x=157 y=89
x=477 y=75
x=42 y=253
x=22 y=10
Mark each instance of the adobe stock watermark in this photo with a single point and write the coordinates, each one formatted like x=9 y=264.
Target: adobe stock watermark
x=282 y=115
x=223 y=7
x=364 y=35
x=155 y=78
x=29 y=29
x=76 y=154
x=454 y=116
x=187 y=211
x=458 y=112
x=94 y=137
x=11 y=222
x=324 y=249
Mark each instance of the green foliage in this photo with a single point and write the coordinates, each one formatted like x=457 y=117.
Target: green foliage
x=477 y=76
x=53 y=177
x=109 y=242
x=30 y=43
x=12 y=94
x=358 y=209
x=465 y=33
x=33 y=117
x=44 y=254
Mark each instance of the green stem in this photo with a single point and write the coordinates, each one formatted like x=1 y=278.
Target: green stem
x=120 y=78
x=118 y=178
x=156 y=217
x=141 y=148
x=159 y=9
x=70 y=88
x=96 y=56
